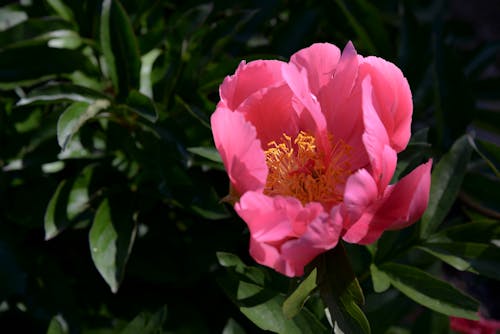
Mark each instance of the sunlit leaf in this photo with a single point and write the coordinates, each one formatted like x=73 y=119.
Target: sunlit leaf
x=72 y=119
x=247 y=288
x=294 y=303
x=110 y=239
x=446 y=181
x=58 y=326
x=341 y=292
x=54 y=93
x=380 y=280
x=430 y=291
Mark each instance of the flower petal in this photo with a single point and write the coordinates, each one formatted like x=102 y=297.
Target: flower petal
x=304 y=101
x=391 y=98
x=236 y=140
x=319 y=60
x=285 y=235
x=271 y=113
x=248 y=79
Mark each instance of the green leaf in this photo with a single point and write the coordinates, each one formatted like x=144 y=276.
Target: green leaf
x=446 y=181
x=32 y=31
x=142 y=105
x=483 y=259
x=147 y=323
x=62 y=9
x=232 y=327
x=430 y=292
x=57 y=325
x=73 y=118
x=482 y=232
x=18 y=66
x=249 y=289
x=68 y=202
x=55 y=93
x=380 y=280
x=489 y=152
x=111 y=237
x=120 y=48
x=209 y=153
x=295 y=302
x=341 y=292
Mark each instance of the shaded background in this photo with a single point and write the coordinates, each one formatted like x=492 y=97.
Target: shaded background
x=144 y=160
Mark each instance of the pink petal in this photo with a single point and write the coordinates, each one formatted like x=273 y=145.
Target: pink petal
x=403 y=204
x=236 y=140
x=382 y=157
x=305 y=103
x=408 y=198
x=359 y=195
x=271 y=113
x=319 y=60
x=248 y=79
x=285 y=235
x=391 y=98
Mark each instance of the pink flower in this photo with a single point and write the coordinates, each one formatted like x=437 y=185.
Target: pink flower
x=310 y=147
x=481 y=326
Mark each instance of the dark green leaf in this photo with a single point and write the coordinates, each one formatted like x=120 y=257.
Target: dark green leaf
x=142 y=105
x=32 y=31
x=62 y=9
x=483 y=259
x=68 y=202
x=147 y=323
x=111 y=238
x=430 y=291
x=446 y=181
x=489 y=152
x=72 y=119
x=54 y=93
x=17 y=65
x=295 y=302
x=232 y=327
x=341 y=292
x=248 y=289
x=120 y=48
x=482 y=232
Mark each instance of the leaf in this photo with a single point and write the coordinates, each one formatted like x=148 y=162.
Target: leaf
x=147 y=323
x=17 y=65
x=209 y=153
x=73 y=118
x=232 y=327
x=69 y=200
x=489 y=152
x=54 y=93
x=32 y=31
x=294 y=303
x=111 y=237
x=446 y=181
x=249 y=289
x=60 y=8
x=482 y=232
x=483 y=259
x=142 y=105
x=341 y=292
x=57 y=325
x=120 y=48
x=380 y=280
x=430 y=292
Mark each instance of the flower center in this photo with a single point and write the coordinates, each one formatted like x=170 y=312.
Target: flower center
x=299 y=169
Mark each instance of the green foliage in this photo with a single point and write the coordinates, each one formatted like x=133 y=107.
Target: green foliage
x=110 y=186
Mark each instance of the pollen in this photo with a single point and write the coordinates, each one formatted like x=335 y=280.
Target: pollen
x=298 y=168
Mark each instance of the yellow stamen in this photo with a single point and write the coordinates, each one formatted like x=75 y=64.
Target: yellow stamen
x=299 y=169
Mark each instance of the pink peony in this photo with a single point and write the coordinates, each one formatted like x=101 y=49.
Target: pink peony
x=481 y=326
x=310 y=147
